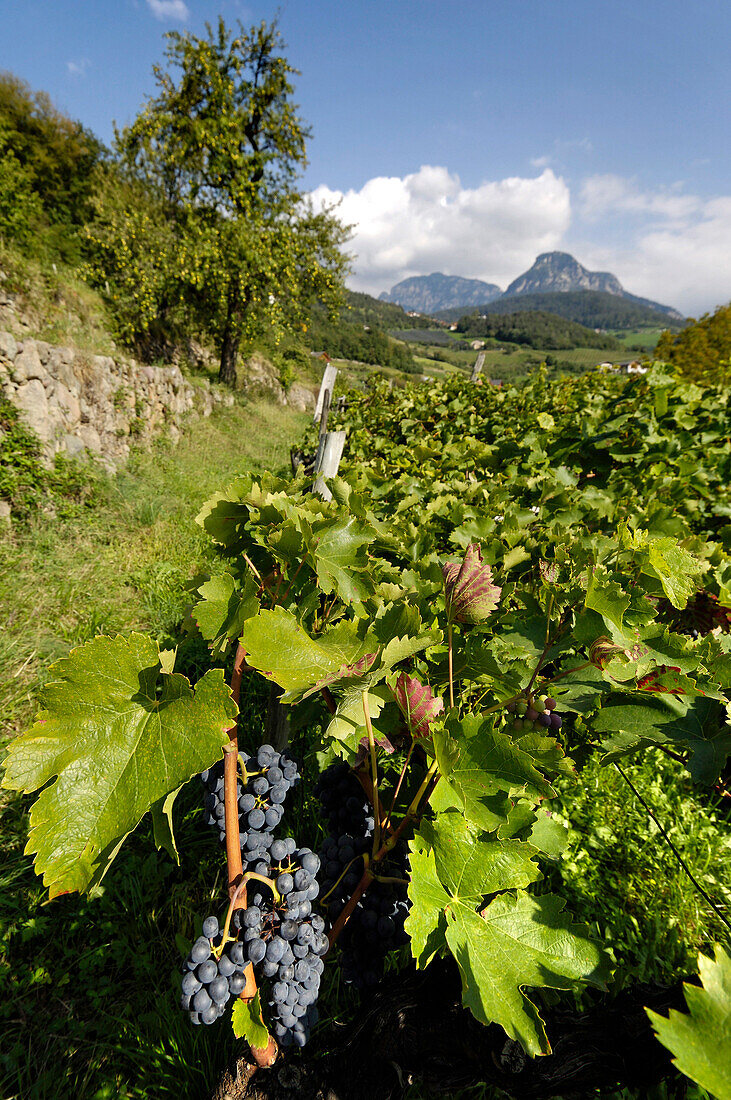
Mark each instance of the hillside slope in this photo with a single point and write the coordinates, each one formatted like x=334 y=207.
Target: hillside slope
x=592 y=308
x=537 y=330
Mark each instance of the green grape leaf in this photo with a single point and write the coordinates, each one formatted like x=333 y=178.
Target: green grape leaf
x=701 y=1038
x=162 y=824
x=248 y=1023
x=400 y=649
x=481 y=762
x=117 y=736
x=522 y=814
x=426 y=923
x=341 y=559
x=675 y=568
x=224 y=516
x=348 y=722
x=520 y=941
x=281 y=649
x=547 y=753
x=607 y=598
x=548 y=835
x=634 y=722
x=469 y=866
x=516 y=941
x=167 y=660
x=223 y=609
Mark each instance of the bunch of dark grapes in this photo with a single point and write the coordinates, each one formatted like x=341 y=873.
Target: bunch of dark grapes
x=285 y=941
x=376 y=925
x=341 y=797
x=209 y=981
x=535 y=713
x=269 y=778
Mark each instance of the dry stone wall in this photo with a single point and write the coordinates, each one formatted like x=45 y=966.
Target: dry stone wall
x=80 y=403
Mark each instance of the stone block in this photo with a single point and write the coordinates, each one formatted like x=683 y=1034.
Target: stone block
x=67 y=401
x=30 y=398
x=90 y=438
x=73 y=446
x=8 y=346
x=27 y=364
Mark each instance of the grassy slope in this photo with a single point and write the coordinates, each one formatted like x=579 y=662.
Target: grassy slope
x=123 y=565
x=87 y=1008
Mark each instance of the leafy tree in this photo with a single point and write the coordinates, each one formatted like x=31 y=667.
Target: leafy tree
x=132 y=256
x=49 y=158
x=20 y=207
x=702 y=351
x=223 y=144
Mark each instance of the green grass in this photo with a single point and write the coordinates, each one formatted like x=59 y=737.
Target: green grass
x=87 y=986
x=647 y=338
x=124 y=564
x=620 y=876
x=57 y=305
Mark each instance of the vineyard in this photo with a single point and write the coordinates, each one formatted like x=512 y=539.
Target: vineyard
x=512 y=596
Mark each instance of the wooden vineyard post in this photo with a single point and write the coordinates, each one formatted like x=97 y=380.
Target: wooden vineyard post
x=327 y=386
x=477 y=368
x=329 y=452
x=328 y=459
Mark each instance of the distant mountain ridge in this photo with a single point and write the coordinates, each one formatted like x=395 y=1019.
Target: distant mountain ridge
x=427 y=293
x=593 y=308
x=552 y=274
x=559 y=272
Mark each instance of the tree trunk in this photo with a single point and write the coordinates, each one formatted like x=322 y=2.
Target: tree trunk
x=415 y=1030
x=231 y=339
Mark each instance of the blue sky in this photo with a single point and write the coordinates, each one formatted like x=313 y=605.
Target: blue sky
x=463 y=137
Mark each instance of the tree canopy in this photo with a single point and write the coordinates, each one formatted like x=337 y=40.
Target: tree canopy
x=221 y=145
x=702 y=351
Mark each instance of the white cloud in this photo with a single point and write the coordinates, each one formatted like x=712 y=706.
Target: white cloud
x=610 y=194
x=428 y=222
x=168 y=9
x=678 y=249
x=662 y=244
x=78 y=68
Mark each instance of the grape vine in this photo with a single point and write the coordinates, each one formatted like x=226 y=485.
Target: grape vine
x=485 y=592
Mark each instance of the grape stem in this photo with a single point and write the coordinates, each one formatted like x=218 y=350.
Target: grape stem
x=368 y=876
x=234 y=866
x=374 y=774
x=366 y=880
x=329 y=699
x=343 y=873
x=400 y=780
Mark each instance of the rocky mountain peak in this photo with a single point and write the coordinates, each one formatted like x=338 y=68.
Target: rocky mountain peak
x=559 y=271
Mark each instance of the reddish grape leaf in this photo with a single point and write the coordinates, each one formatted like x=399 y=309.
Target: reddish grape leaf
x=469 y=591
x=417 y=703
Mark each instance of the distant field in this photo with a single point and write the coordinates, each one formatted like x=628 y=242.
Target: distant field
x=513 y=361
x=647 y=337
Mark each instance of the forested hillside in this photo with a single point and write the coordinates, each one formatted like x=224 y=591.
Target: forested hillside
x=536 y=329
x=592 y=308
